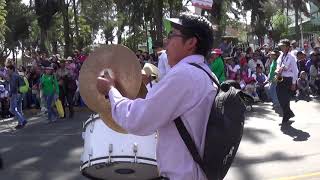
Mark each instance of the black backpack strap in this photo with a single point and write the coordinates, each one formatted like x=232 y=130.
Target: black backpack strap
x=185 y=134
x=210 y=76
x=189 y=142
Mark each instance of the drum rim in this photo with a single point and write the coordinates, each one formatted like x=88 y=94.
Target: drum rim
x=88 y=121
x=117 y=157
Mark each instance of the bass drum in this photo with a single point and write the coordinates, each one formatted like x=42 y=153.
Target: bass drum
x=115 y=156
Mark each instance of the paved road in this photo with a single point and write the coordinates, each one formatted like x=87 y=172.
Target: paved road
x=268 y=152
x=52 y=151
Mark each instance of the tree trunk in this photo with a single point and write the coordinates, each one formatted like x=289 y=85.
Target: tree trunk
x=76 y=25
x=158 y=20
x=119 y=33
x=43 y=37
x=216 y=15
x=22 y=54
x=66 y=30
x=296 y=17
x=54 y=44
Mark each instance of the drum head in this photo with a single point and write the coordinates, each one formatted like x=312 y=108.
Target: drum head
x=121 y=171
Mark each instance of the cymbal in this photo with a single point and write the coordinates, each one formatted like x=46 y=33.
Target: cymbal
x=107 y=117
x=126 y=70
x=109 y=121
x=142 y=91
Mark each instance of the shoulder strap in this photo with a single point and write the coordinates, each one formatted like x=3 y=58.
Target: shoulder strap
x=189 y=143
x=212 y=78
x=186 y=137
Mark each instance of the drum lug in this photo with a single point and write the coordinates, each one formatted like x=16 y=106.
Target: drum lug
x=110 y=152
x=90 y=155
x=92 y=124
x=135 y=150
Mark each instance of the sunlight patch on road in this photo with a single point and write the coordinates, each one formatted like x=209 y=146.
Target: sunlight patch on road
x=26 y=162
x=300 y=177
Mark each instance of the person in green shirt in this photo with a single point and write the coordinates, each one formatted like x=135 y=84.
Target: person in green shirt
x=50 y=88
x=216 y=64
x=271 y=89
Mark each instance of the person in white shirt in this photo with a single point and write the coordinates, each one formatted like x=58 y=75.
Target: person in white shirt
x=254 y=61
x=288 y=70
x=150 y=75
x=185 y=92
x=163 y=65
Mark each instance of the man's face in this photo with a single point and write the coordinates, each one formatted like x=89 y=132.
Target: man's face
x=284 y=49
x=178 y=48
x=10 y=71
x=300 y=56
x=259 y=70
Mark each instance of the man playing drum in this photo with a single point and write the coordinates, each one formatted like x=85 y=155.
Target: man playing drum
x=185 y=91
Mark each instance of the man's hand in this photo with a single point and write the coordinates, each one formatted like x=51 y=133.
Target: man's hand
x=293 y=87
x=104 y=84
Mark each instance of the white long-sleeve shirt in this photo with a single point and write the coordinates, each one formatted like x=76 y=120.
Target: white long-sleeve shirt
x=163 y=65
x=290 y=67
x=185 y=91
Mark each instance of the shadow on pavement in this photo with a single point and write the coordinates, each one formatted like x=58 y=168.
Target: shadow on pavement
x=43 y=151
x=257 y=136
x=296 y=134
x=264 y=111
x=242 y=164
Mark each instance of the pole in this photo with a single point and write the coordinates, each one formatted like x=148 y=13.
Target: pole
x=301 y=29
x=288 y=14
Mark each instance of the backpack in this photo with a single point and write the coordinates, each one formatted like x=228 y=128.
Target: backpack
x=23 y=85
x=224 y=131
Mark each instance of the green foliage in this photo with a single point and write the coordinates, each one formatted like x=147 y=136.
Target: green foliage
x=18 y=22
x=3 y=14
x=279 y=26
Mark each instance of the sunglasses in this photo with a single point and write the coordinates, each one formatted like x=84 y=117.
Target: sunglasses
x=171 y=35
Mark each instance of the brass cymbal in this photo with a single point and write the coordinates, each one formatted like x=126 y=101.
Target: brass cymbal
x=108 y=120
x=143 y=91
x=126 y=70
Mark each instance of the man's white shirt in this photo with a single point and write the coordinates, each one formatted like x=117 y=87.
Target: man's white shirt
x=185 y=91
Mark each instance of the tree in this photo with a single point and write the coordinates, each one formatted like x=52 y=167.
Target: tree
x=299 y=5
x=45 y=9
x=3 y=14
x=17 y=23
x=279 y=26
x=66 y=28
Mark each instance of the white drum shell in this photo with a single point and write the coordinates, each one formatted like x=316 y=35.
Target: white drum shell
x=102 y=145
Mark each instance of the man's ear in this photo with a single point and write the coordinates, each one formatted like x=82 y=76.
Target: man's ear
x=191 y=44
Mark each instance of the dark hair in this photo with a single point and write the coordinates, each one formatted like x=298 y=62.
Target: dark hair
x=199 y=27
x=11 y=67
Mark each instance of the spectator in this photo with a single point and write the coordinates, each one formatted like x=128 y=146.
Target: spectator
x=50 y=88
x=254 y=61
x=15 y=96
x=261 y=80
x=233 y=68
x=226 y=47
x=5 y=104
x=303 y=87
x=315 y=77
x=301 y=61
x=272 y=86
x=216 y=64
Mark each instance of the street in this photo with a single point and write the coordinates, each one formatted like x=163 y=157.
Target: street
x=44 y=151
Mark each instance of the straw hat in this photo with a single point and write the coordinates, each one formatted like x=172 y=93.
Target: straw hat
x=150 y=70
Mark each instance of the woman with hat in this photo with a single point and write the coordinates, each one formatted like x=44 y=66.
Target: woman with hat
x=50 y=88
x=217 y=64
